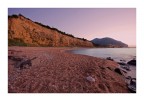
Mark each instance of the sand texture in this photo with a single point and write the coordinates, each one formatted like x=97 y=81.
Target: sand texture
x=53 y=70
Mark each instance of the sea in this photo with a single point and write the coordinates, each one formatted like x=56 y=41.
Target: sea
x=117 y=54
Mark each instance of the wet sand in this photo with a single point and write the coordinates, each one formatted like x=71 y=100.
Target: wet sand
x=56 y=71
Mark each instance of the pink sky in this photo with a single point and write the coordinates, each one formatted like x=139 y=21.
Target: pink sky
x=89 y=23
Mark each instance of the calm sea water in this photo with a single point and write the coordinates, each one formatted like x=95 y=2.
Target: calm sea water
x=117 y=54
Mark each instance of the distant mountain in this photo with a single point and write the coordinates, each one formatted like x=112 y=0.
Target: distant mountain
x=108 y=42
x=25 y=32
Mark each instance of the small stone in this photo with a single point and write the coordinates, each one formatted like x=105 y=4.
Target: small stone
x=132 y=62
x=91 y=79
x=117 y=70
x=109 y=58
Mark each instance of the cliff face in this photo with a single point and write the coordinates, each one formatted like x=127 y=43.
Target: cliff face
x=24 y=32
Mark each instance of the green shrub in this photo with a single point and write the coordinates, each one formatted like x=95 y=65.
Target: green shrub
x=13 y=16
x=16 y=42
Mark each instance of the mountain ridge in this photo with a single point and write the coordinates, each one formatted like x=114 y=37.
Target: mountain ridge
x=109 y=42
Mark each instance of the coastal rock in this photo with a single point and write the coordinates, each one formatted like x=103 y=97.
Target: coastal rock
x=123 y=60
x=109 y=58
x=132 y=85
x=109 y=68
x=91 y=79
x=132 y=62
x=117 y=70
x=126 y=68
x=121 y=63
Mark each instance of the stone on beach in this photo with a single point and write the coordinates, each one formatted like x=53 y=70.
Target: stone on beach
x=117 y=70
x=122 y=63
x=91 y=79
x=57 y=71
x=132 y=62
x=109 y=58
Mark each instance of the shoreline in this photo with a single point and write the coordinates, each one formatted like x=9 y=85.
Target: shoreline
x=57 y=71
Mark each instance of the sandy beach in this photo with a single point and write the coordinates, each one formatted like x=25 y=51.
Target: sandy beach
x=54 y=70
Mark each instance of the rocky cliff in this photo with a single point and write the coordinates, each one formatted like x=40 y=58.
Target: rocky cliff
x=25 y=32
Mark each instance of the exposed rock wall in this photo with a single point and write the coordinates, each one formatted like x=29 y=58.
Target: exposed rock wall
x=24 y=32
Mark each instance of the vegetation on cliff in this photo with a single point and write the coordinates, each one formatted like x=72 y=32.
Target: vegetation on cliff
x=24 y=32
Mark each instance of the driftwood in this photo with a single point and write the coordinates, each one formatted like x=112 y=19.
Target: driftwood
x=22 y=64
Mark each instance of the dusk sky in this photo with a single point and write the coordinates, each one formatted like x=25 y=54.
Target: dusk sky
x=88 y=23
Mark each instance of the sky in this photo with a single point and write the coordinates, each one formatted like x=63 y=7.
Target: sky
x=88 y=23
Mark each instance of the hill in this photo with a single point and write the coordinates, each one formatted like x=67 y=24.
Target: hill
x=108 y=42
x=24 y=32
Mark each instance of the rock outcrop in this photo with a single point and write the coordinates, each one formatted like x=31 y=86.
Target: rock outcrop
x=25 y=32
x=132 y=62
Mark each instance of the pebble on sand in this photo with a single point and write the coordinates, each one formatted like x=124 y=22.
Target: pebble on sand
x=91 y=79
